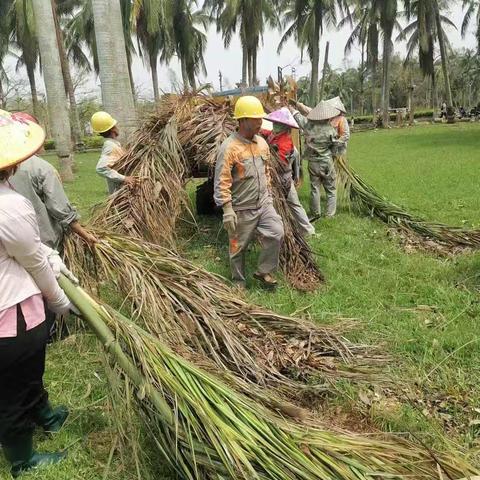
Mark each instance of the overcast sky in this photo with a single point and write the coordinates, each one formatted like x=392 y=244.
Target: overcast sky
x=229 y=61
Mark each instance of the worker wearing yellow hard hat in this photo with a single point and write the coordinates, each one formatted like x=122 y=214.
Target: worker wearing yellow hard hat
x=27 y=279
x=105 y=125
x=242 y=189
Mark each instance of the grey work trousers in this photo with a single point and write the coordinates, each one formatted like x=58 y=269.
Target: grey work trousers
x=268 y=224
x=322 y=174
x=299 y=212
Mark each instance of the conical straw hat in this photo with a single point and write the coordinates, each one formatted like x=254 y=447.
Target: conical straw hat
x=337 y=103
x=323 y=111
x=19 y=139
x=284 y=117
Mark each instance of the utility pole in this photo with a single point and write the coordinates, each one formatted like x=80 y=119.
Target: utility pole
x=294 y=73
x=220 y=77
x=280 y=75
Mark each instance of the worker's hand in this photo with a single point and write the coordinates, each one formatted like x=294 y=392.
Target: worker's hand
x=298 y=183
x=229 y=219
x=58 y=267
x=130 y=182
x=89 y=238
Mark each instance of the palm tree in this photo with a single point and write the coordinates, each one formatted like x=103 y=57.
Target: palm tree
x=250 y=17
x=152 y=37
x=24 y=38
x=52 y=74
x=189 y=42
x=365 y=32
x=306 y=20
x=423 y=32
x=472 y=8
x=117 y=93
x=80 y=30
x=4 y=45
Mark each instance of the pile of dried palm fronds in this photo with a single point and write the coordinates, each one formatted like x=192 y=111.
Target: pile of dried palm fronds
x=192 y=309
x=207 y=430
x=366 y=200
x=183 y=137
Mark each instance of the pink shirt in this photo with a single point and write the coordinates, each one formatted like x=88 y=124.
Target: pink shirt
x=33 y=311
x=24 y=268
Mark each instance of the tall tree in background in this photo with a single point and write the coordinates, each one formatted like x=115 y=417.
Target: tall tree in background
x=117 y=93
x=249 y=18
x=24 y=38
x=152 y=37
x=189 y=42
x=4 y=45
x=52 y=74
x=306 y=21
x=422 y=34
x=472 y=10
x=364 y=21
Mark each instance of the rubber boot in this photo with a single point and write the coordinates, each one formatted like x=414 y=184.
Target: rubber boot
x=51 y=419
x=19 y=452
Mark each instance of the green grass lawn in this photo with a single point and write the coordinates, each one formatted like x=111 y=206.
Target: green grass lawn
x=421 y=308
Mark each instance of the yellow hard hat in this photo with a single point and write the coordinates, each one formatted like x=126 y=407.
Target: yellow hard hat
x=102 y=122
x=249 y=107
x=19 y=139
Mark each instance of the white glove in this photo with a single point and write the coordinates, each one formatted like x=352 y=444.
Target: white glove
x=59 y=267
x=229 y=219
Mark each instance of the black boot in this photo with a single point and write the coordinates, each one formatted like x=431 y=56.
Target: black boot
x=51 y=419
x=19 y=452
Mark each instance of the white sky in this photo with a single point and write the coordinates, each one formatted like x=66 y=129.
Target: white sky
x=230 y=61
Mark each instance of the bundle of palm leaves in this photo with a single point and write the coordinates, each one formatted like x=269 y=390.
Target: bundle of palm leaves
x=207 y=430
x=181 y=139
x=366 y=200
x=192 y=309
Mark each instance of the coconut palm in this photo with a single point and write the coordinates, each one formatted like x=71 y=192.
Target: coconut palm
x=472 y=10
x=249 y=18
x=152 y=36
x=4 y=46
x=117 y=93
x=24 y=39
x=52 y=74
x=424 y=31
x=365 y=32
x=306 y=21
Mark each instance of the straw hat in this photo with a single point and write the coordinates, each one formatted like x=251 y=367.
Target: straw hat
x=284 y=117
x=323 y=111
x=337 y=103
x=19 y=139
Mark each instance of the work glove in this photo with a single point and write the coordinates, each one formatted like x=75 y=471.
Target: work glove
x=64 y=309
x=229 y=219
x=58 y=267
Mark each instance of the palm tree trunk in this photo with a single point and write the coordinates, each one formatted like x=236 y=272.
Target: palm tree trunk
x=315 y=60
x=444 y=55
x=131 y=80
x=254 y=66
x=374 y=91
x=387 y=53
x=33 y=89
x=249 y=62
x=52 y=74
x=153 y=68
x=3 y=100
x=325 y=71
x=117 y=92
x=244 y=64
x=184 y=74
x=67 y=80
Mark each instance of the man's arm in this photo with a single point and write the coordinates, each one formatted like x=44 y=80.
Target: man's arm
x=223 y=177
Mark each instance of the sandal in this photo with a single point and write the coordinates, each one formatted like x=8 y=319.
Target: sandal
x=266 y=280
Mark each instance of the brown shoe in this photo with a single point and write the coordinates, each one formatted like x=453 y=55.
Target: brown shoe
x=266 y=280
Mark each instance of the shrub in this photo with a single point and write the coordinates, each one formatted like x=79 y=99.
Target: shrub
x=90 y=142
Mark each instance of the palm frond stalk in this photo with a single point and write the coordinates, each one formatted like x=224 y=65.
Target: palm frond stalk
x=207 y=430
x=366 y=200
x=196 y=311
x=182 y=138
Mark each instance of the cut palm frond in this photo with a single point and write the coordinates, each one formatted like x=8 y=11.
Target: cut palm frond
x=189 y=307
x=180 y=140
x=367 y=201
x=207 y=430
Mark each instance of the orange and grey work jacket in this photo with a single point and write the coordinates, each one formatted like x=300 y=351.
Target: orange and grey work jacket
x=241 y=173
